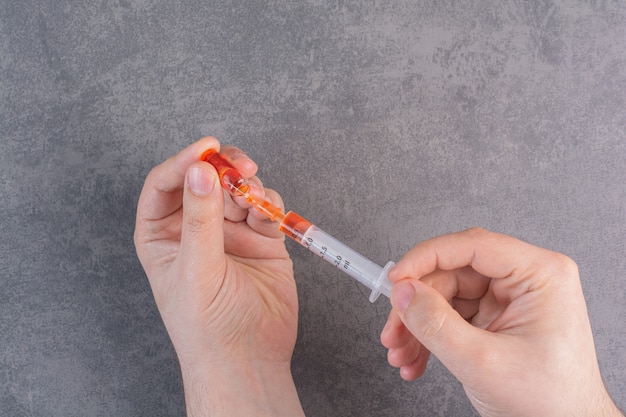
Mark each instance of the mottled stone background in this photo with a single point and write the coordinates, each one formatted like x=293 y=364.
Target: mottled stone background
x=385 y=122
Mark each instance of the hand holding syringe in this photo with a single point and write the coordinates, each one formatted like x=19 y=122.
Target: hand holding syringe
x=304 y=232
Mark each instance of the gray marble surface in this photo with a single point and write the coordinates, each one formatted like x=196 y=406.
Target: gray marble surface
x=385 y=123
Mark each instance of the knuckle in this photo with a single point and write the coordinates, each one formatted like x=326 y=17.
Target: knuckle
x=196 y=227
x=477 y=232
x=197 y=221
x=428 y=322
x=433 y=326
x=566 y=263
x=563 y=264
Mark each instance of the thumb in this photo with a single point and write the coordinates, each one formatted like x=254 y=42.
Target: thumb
x=438 y=327
x=202 y=235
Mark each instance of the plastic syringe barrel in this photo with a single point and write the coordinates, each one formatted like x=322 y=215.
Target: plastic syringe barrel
x=348 y=260
x=304 y=232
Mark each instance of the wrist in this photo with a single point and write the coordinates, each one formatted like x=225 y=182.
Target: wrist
x=240 y=388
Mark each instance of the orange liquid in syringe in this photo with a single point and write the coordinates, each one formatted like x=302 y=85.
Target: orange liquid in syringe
x=294 y=226
x=230 y=178
x=265 y=207
x=291 y=224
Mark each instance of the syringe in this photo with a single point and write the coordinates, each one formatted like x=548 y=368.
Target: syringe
x=304 y=232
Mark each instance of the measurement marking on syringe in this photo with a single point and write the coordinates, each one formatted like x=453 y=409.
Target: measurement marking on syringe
x=337 y=260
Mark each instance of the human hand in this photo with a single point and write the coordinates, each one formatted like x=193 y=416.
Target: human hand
x=508 y=319
x=223 y=282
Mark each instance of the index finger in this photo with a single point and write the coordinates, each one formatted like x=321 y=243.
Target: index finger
x=491 y=254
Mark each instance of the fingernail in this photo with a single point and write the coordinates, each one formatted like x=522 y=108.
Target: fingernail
x=391 y=274
x=402 y=294
x=200 y=181
x=238 y=155
x=386 y=328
